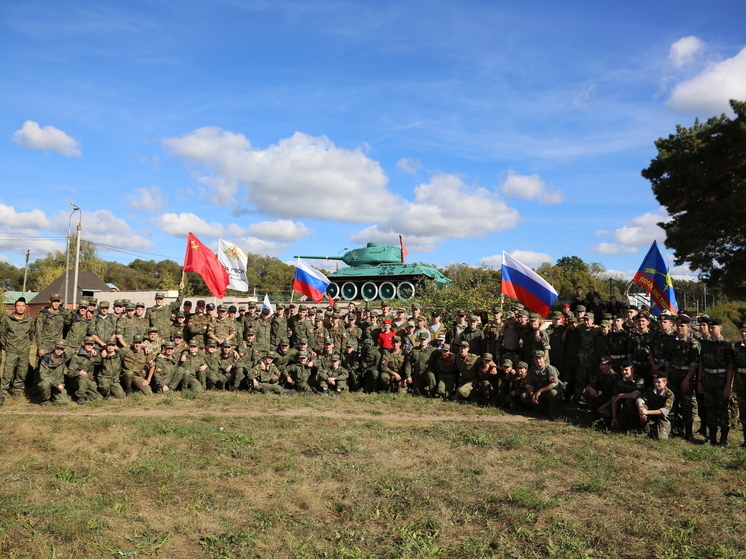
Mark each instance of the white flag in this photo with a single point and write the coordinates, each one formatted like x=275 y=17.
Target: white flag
x=233 y=259
x=267 y=305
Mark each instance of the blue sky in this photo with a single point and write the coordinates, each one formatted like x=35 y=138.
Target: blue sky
x=307 y=127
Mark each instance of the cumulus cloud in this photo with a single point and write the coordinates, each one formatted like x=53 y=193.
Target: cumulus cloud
x=300 y=176
x=23 y=222
x=683 y=51
x=280 y=230
x=409 y=166
x=711 y=89
x=444 y=207
x=32 y=136
x=528 y=257
x=104 y=227
x=642 y=230
x=180 y=225
x=613 y=248
x=147 y=199
x=529 y=187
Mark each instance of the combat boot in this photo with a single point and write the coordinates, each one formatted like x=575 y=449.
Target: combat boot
x=724 y=437
x=688 y=432
x=714 y=437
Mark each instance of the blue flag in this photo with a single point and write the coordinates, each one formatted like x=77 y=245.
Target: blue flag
x=654 y=277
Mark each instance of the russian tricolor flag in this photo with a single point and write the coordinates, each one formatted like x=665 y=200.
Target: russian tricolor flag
x=522 y=283
x=309 y=281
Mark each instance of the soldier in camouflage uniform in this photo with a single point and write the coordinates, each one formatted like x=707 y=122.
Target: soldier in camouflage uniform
x=473 y=335
x=16 y=333
x=370 y=362
x=77 y=325
x=587 y=354
x=419 y=367
x=739 y=359
x=109 y=375
x=352 y=362
x=617 y=343
x=223 y=328
x=468 y=372
x=715 y=381
x=446 y=373
x=333 y=377
x=229 y=371
x=159 y=316
x=265 y=377
x=197 y=325
x=516 y=383
x=303 y=372
x=492 y=331
x=165 y=371
x=556 y=332
x=654 y=406
x=640 y=343
x=80 y=374
x=600 y=390
x=301 y=326
x=195 y=366
x=661 y=342
x=50 y=325
x=539 y=338
x=135 y=367
x=489 y=380
x=629 y=387
x=50 y=379
x=683 y=364
x=393 y=374
x=542 y=387
x=102 y=327
x=279 y=326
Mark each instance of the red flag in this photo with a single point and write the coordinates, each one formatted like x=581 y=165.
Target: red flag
x=404 y=250
x=202 y=260
x=331 y=301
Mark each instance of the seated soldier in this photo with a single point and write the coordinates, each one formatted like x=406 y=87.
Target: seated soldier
x=333 y=378
x=629 y=387
x=600 y=390
x=516 y=387
x=654 y=406
x=351 y=361
x=109 y=375
x=51 y=374
x=134 y=367
x=80 y=374
x=488 y=380
x=194 y=363
x=265 y=377
x=165 y=372
x=543 y=391
x=370 y=361
x=302 y=373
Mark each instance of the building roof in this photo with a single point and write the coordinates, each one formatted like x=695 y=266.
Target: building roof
x=10 y=297
x=87 y=281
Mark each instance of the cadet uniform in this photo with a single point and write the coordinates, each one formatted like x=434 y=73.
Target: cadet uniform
x=419 y=368
x=160 y=316
x=545 y=381
x=370 y=362
x=657 y=426
x=51 y=372
x=17 y=334
x=393 y=363
x=468 y=371
x=50 y=326
x=80 y=374
x=716 y=374
x=134 y=364
x=683 y=357
x=109 y=375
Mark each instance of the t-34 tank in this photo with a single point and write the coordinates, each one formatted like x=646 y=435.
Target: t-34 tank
x=377 y=272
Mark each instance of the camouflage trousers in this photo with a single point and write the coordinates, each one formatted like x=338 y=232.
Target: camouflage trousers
x=741 y=397
x=685 y=406
x=718 y=407
x=657 y=427
x=447 y=386
x=582 y=376
x=15 y=371
x=110 y=386
x=549 y=401
x=48 y=391
x=425 y=384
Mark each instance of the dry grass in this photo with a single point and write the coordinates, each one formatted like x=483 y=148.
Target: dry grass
x=237 y=475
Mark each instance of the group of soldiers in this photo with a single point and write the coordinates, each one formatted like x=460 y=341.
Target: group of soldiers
x=631 y=370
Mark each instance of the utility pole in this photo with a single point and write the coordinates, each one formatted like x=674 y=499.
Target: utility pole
x=67 y=253
x=77 y=259
x=25 y=273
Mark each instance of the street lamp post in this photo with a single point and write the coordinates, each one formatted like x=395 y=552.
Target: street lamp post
x=77 y=259
x=67 y=252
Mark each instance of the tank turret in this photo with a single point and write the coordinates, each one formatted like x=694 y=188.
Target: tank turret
x=377 y=271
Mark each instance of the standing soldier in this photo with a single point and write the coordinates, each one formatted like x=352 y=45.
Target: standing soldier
x=77 y=325
x=279 y=328
x=50 y=325
x=301 y=326
x=510 y=339
x=126 y=327
x=370 y=361
x=352 y=362
x=587 y=356
x=446 y=373
x=617 y=343
x=160 y=315
x=492 y=332
x=473 y=335
x=466 y=364
x=739 y=357
x=716 y=381
x=640 y=343
x=661 y=342
x=223 y=328
x=17 y=333
x=102 y=326
x=197 y=325
x=556 y=332
x=683 y=364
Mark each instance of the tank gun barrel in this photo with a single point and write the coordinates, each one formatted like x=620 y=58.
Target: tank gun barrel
x=321 y=257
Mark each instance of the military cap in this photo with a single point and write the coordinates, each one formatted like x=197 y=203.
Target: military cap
x=211 y=343
x=350 y=316
x=273 y=355
x=201 y=303
x=252 y=305
x=83 y=303
x=118 y=303
x=92 y=301
x=302 y=354
x=632 y=308
x=350 y=343
x=521 y=365
x=474 y=318
x=461 y=311
x=374 y=313
x=178 y=334
x=303 y=308
x=193 y=343
x=187 y=303
x=555 y=314
x=335 y=315
x=160 y=295
x=410 y=324
x=605 y=323
x=396 y=340
x=415 y=306
x=137 y=339
x=328 y=340
x=424 y=335
x=89 y=340
x=444 y=347
x=302 y=341
x=538 y=353
x=104 y=304
x=222 y=308
x=249 y=331
x=495 y=308
x=645 y=308
x=227 y=343
x=703 y=319
x=181 y=314
x=580 y=308
x=284 y=342
x=660 y=374
x=140 y=304
x=210 y=306
x=266 y=310
x=112 y=340
x=368 y=343
x=715 y=322
x=336 y=357
x=607 y=316
x=55 y=297
x=743 y=325
x=435 y=313
x=509 y=314
x=666 y=316
x=604 y=359
x=683 y=319
x=572 y=320
x=233 y=308
x=507 y=363
x=60 y=343
x=487 y=357
x=385 y=304
x=242 y=308
x=627 y=363
x=130 y=307
x=441 y=336
x=520 y=312
x=169 y=345
x=464 y=344
x=279 y=306
x=152 y=329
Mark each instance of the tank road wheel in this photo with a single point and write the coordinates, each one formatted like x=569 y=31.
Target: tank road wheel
x=332 y=290
x=405 y=290
x=369 y=291
x=387 y=290
x=349 y=291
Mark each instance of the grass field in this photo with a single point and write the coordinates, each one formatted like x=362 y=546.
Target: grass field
x=229 y=475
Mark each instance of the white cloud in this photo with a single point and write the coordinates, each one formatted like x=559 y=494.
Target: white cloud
x=260 y=246
x=322 y=180
x=180 y=225
x=102 y=226
x=32 y=136
x=528 y=257
x=613 y=248
x=712 y=88
x=408 y=165
x=628 y=275
x=24 y=222
x=682 y=51
x=529 y=187
x=147 y=199
x=443 y=208
x=601 y=232
x=642 y=230
x=280 y=230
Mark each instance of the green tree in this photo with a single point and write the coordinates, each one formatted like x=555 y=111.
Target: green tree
x=699 y=176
